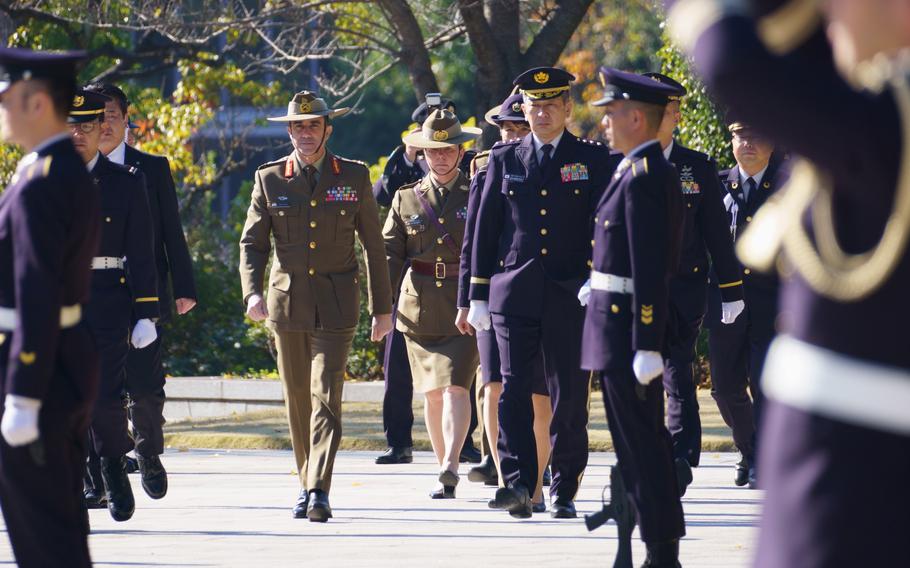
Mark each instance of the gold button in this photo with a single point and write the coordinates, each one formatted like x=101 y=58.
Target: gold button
x=607 y=223
x=543 y=232
x=439 y=284
x=543 y=192
x=311 y=272
x=122 y=280
x=590 y=264
x=577 y=192
x=108 y=219
x=441 y=220
x=281 y=213
x=689 y=205
x=511 y=192
x=312 y=203
x=502 y=263
x=3 y=335
x=543 y=252
x=592 y=242
x=344 y=212
x=695 y=269
x=614 y=308
x=312 y=224
x=439 y=241
x=748 y=219
x=747 y=271
x=595 y=220
x=438 y=259
x=312 y=244
x=543 y=211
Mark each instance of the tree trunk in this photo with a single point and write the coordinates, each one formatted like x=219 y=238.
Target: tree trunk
x=413 y=52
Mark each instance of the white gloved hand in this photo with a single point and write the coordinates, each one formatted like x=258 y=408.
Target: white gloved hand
x=729 y=311
x=647 y=365
x=20 y=420
x=584 y=294
x=479 y=315
x=144 y=334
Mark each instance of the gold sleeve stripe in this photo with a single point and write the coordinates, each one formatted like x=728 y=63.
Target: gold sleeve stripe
x=147 y=299
x=731 y=284
x=476 y=280
x=789 y=26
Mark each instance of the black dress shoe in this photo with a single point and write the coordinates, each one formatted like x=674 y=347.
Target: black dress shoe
x=154 y=478
x=118 y=491
x=469 y=454
x=132 y=465
x=563 y=509
x=447 y=492
x=515 y=500
x=662 y=555
x=396 y=454
x=683 y=475
x=485 y=472
x=741 y=472
x=94 y=498
x=539 y=507
x=299 y=510
x=318 y=509
x=547 y=477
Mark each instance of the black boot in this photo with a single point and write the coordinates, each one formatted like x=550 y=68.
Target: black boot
x=396 y=454
x=154 y=478
x=485 y=472
x=119 y=493
x=93 y=485
x=662 y=554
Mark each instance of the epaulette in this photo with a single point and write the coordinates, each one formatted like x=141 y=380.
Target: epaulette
x=410 y=185
x=639 y=167
x=480 y=162
x=500 y=143
x=39 y=168
x=278 y=162
x=352 y=161
x=591 y=142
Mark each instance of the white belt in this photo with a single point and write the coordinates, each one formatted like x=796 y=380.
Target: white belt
x=107 y=262
x=69 y=316
x=611 y=283
x=839 y=387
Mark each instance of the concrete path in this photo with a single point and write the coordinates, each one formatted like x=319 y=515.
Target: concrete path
x=232 y=508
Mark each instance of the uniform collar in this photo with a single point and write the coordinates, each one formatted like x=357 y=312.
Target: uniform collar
x=757 y=177
x=538 y=143
x=669 y=149
x=317 y=164
x=118 y=154
x=94 y=161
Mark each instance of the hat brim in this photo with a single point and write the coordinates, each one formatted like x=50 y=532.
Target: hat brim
x=331 y=113
x=490 y=115
x=417 y=140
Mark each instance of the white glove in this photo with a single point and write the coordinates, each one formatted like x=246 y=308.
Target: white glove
x=20 y=420
x=647 y=365
x=584 y=293
x=479 y=315
x=144 y=334
x=729 y=311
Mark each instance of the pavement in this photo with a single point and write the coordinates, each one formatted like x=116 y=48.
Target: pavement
x=232 y=508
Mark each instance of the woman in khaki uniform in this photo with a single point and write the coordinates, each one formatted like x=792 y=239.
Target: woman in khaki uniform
x=426 y=225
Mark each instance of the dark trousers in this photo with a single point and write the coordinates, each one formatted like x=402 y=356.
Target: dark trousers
x=41 y=483
x=397 y=412
x=557 y=333
x=145 y=387
x=737 y=354
x=837 y=494
x=109 y=432
x=688 y=302
x=644 y=453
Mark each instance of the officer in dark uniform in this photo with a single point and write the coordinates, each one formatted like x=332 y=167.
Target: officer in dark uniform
x=705 y=230
x=529 y=260
x=835 y=432
x=406 y=165
x=637 y=223
x=118 y=295
x=144 y=370
x=738 y=350
x=49 y=229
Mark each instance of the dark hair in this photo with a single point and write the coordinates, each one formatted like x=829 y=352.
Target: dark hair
x=653 y=113
x=61 y=91
x=112 y=91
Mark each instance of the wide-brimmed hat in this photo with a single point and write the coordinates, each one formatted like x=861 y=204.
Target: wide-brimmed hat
x=306 y=105
x=441 y=129
x=510 y=110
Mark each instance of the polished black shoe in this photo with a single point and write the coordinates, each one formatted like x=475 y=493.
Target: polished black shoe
x=469 y=454
x=94 y=498
x=662 y=555
x=547 y=477
x=539 y=507
x=154 y=478
x=753 y=477
x=485 y=472
x=447 y=492
x=563 y=509
x=396 y=454
x=318 y=509
x=117 y=488
x=132 y=465
x=741 y=472
x=299 y=510
x=683 y=475
x=515 y=500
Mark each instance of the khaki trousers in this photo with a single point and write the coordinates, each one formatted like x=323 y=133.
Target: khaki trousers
x=311 y=365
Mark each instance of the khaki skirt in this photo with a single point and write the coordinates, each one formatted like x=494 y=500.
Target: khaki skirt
x=439 y=361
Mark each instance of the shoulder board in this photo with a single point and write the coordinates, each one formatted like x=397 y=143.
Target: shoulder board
x=279 y=162
x=410 y=185
x=480 y=162
x=501 y=144
x=590 y=142
x=691 y=152
x=639 y=167
x=350 y=161
x=39 y=168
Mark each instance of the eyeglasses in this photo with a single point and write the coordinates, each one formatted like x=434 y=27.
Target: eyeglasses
x=84 y=127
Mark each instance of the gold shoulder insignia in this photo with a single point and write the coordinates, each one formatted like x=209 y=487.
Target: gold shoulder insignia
x=27 y=357
x=647 y=314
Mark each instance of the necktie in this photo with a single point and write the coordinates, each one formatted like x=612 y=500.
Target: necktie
x=545 y=158
x=747 y=190
x=443 y=194
x=309 y=172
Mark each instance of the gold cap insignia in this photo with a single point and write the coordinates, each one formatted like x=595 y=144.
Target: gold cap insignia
x=305 y=107
x=516 y=107
x=440 y=135
x=27 y=357
x=78 y=101
x=541 y=77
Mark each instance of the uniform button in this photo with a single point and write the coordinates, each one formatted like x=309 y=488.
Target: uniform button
x=747 y=271
x=439 y=241
x=695 y=269
x=511 y=192
x=438 y=259
x=543 y=232
x=543 y=192
x=543 y=252
x=312 y=244
x=748 y=219
x=281 y=213
x=107 y=219
x=502 y=263
x=441 y=220
x=312 y=224
x=592 y=242
x=590 y=264
x=311 y=272
x=607 y=223
x=543 y=211
x=439 y=283
x=595 y=220
x=614 y=308
x=122 y=280
x=577 y=192
x=344 y=212
x=312 y=203
x=689 y=205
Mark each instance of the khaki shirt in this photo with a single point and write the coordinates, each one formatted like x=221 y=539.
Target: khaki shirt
x=314 y=277
x=426 y=305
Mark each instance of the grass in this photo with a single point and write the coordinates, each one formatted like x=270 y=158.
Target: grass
x=362 y=429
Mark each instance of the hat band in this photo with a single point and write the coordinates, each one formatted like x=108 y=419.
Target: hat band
x=544 y=93
x=86 y=112
x=442 y=135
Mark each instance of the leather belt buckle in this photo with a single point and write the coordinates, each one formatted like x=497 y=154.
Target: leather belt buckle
x=440 y=270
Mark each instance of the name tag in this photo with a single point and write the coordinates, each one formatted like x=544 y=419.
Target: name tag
x=462 y=213
x=281 y=202
x=414 y=224
x=573 y=172
x=518 y=178
x=341 y=193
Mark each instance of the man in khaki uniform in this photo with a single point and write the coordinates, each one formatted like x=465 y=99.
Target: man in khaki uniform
x=312 y=202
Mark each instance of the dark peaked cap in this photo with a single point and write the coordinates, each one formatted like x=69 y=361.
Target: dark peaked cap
x=18 y=64
x=670 y=81
x=624 y=86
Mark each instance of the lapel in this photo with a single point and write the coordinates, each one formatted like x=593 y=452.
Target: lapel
x=528 y=158
x=562 y=155
x=330 y=176
x=132 y=157
x=458 y=195
x=432 y=196
x=733 y=187
x=293 y=174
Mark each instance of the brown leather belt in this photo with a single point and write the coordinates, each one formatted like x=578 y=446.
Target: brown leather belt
x=438 y=270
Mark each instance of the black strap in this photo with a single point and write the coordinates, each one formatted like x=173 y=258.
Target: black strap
x=440 y=228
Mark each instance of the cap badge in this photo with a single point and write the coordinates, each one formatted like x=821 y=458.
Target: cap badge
x=541 y=77
x=516 y=107
x=78 y=101
x=440 y=135
x=305 y=107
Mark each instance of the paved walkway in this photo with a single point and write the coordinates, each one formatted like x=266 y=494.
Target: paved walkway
x=233 y=509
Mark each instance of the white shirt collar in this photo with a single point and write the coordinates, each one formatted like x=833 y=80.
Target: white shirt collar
x=33 y=155
x=757 y=177
x=118 y=154
x=668 y=150
x=538 y=144
x=91 y=164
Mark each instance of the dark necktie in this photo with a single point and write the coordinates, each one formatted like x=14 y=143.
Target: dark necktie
x=309 y=172
x=748 y=190
x=545 y=158
x=443 y=194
